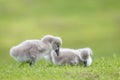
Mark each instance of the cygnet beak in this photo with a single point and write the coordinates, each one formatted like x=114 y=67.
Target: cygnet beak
x=85 y=63
x=57 y=51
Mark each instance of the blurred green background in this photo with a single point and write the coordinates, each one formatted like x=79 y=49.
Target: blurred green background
x=80 y=23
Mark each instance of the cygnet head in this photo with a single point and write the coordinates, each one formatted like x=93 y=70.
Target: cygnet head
x=85 y=55
x=55 y=42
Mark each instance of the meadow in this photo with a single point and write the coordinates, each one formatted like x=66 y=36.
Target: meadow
x=88 y=23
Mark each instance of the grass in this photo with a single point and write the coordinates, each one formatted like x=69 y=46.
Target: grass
x=101 y=69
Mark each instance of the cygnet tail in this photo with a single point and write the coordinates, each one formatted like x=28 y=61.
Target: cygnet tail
x=13 y=52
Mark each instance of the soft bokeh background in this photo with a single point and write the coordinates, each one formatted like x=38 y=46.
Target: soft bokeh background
x=80 y=23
